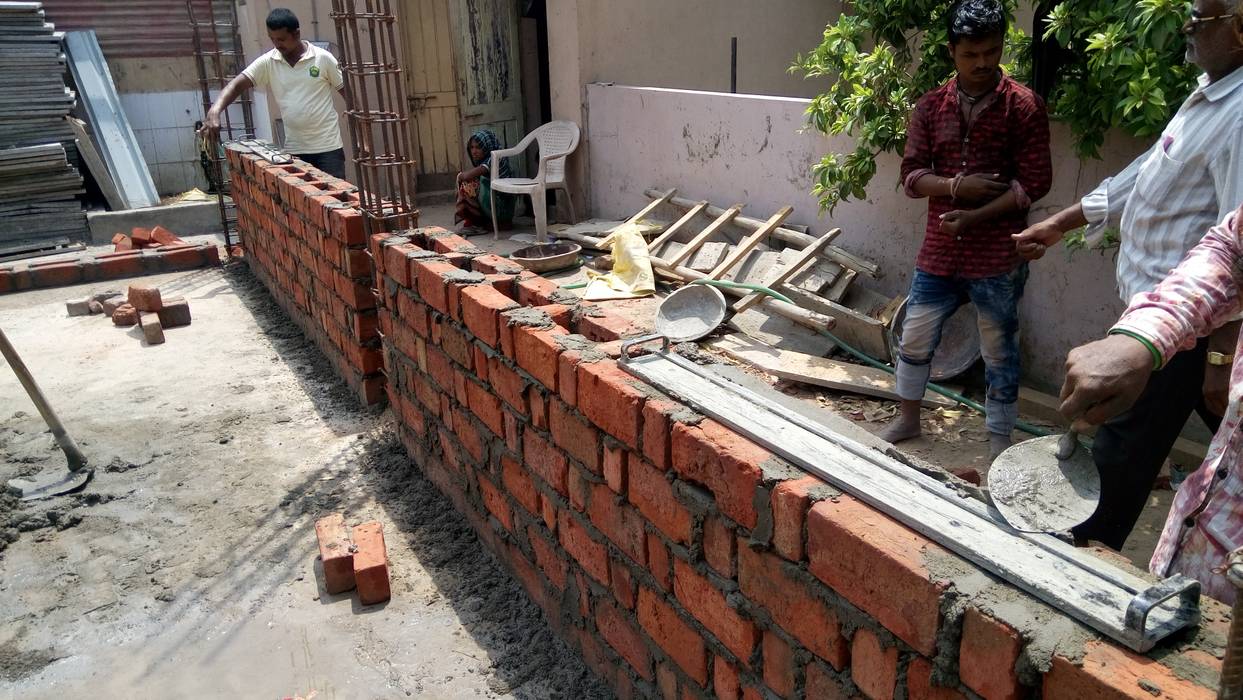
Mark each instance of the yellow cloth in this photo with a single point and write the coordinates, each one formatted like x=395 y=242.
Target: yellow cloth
x=632 y=275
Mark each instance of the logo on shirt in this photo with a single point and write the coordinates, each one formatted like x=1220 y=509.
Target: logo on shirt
x=314 y=71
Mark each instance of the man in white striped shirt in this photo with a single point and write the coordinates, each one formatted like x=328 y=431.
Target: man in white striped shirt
x=1162 y=204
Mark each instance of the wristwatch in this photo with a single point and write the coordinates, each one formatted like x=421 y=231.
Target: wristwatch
x=1220 y=359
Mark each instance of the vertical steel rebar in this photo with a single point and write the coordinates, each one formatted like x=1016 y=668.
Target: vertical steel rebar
x=376 y=111
x=218 y=57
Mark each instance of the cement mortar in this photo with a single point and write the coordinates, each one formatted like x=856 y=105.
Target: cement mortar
x=529 y=318
x=462 y=277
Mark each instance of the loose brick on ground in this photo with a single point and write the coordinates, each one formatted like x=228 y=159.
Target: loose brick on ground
x=335 y=553
x=152 y=331
x=176 y=313
x=125 y=316
x=78 y=307
x=145 y=298
x=371 y=563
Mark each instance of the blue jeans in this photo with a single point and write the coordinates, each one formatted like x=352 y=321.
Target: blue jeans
x=934 y=299
x=331 y=162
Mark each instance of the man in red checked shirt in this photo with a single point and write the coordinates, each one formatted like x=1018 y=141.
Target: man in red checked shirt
x=978 y=149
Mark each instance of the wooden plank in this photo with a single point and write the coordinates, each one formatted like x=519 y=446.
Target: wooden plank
x=799 y=315
x=693 y=244
x=806 y=256
x=651 y=207
x=786 y=235
x=678 y=225
x=1091 y=591
x=86 y=146
x=820 y=371
x=841 y=285
x=744 y=248
x=861 y=331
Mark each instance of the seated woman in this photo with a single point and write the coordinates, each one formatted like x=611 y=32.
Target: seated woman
x=475 y=198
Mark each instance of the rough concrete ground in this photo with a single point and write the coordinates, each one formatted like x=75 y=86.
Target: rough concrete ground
x=187 y=568
x=955 y=439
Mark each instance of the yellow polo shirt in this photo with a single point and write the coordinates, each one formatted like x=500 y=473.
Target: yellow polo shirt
x=304 y=93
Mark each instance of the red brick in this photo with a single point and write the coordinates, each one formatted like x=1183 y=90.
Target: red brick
x=346 y=225
x=376 y=247
x=546 y=557
x=513 y=432
x=622 y=582
x=672 y=634
x=778 y=665
x=356 y=264
x=667 y=681
x=790 y=501
x=537 y=291
x=719 y=546
x=793 y=607
x=161 y=235
x=615 y=468
x=1108 y=672
x=152 y=331
x=878 y=565
x=508 y=384
x=58 y=274
x=988 y=657
x=395 y=264
x=577 y=437
x=873 y=668
x=495 y=502
x=485 y=406
x=537 y=402
x=821 y=685
x=723 y=461
x=431 y=284
x=618 y=521
x=919 y=683
x=545 y=460
x=457 y=346
x=441 y=369
x=549 y=510
x=519 y=485
x=567 y=376
x=652 y=493
x=141 y=237
x=609 y=398
x=659 y=562
x=725 y=681
x=115 y=266
x=536 y=351
x=125 y=316
x=357 y=295
x=371 y=563
x=492 y=264
x=657 y=429
x=413 y=313
x=577 y=541
x=335 y=553
x=606 y=327
x=621 y=634
x=708 y=605
x=481 y=310
x=579 y=487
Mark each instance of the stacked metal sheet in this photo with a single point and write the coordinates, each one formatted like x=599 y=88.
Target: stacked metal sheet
x=39 y=182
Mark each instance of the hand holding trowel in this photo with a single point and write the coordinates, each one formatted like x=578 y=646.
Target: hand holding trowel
x=1051 y=484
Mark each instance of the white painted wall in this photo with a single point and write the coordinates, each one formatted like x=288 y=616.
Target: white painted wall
x=751 y=149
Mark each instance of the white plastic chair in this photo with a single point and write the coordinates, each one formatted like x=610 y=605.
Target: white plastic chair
x=557 y=140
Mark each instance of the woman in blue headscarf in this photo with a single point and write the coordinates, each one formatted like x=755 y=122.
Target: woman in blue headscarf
x=475 y=198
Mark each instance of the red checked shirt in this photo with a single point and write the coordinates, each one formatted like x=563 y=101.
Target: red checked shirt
x=1009 y=136
x=1205 y=523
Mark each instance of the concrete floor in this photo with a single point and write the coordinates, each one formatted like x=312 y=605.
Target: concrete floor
x=187 y=568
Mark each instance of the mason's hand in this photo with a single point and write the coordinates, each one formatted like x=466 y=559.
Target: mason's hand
x=211 y=125
x=981 y=187
x=957 y=221
x=1033 y=241
x=1103 y=379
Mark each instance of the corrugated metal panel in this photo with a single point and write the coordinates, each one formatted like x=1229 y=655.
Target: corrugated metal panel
x=133 y=28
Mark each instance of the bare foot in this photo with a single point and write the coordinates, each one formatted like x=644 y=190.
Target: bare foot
x=900 y=428
x=997 y=443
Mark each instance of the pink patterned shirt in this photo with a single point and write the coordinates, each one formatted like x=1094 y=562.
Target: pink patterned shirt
x=1205 y=523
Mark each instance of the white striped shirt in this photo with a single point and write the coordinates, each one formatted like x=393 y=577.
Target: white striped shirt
x=1165 y=201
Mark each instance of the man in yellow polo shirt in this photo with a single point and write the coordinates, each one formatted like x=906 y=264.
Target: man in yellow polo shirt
x=302 y=78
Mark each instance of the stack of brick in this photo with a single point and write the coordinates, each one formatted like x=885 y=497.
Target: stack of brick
x=146 y=239
x=681 y=559
x=353 y=558
x=302 y=233
x=142 y=306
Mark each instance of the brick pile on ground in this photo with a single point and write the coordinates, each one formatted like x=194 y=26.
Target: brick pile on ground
x=146 y=239
x=141 y=306
x=353 y=558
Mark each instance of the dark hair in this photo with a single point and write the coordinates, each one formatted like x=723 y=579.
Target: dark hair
x=975 y=19
x=283 y=18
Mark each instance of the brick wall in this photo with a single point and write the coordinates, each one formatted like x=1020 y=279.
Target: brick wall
x=303 y=237
x=681 y=559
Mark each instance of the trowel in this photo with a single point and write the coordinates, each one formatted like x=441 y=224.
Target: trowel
x=79 y=474
x=1047 y=484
